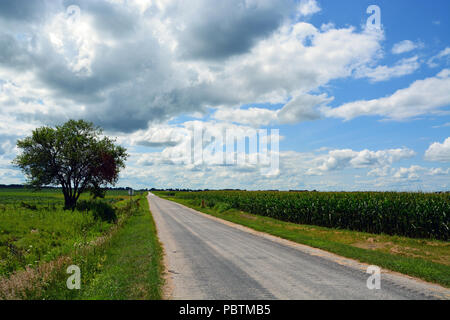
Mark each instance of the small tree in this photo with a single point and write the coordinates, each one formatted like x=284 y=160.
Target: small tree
x=74 y=156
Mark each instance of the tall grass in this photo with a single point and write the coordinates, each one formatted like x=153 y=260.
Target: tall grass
x=39 y=240
x=34 y=228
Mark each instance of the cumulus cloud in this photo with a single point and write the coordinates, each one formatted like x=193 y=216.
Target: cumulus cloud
x=381 y=73
x=297 y=170
x=380 y=172
x=125 y=65
x=405 y=46
x=308 y=7
x=439 y=171
x=341 y=159
x=415 y=172
x=414 y=177
x=209 y=147
x=226 y=28
x=421 y=97
x=134 y=67
x=439 y=152
x=156 y=137
x=412 y=173
x=299 y=109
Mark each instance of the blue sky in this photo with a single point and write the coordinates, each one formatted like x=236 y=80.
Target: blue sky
x=357 y=109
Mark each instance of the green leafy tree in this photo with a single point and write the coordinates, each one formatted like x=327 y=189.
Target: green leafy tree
x=75 y=156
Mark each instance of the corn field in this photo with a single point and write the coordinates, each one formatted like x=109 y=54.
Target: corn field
x=415 y=215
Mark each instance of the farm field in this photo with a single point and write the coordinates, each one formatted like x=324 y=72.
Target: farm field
x=424 y=257
x=38 y=240
x=415 y=215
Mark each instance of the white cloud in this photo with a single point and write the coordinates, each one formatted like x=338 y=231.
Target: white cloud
x=75 y=40
x=341 y=159
x=301 y=108
x=156 y=136
x=405 y=46
x=412 y=173
x=432 y=62
x=100 y=69
x=298 y=170
x=381 y=73
x=252 y=116
x=197 y=144
x=308 y=7
x=380 y=172
x=294 y=60
x=133 y=66
x=421 y=97
x=439 y=152
x=439 y=171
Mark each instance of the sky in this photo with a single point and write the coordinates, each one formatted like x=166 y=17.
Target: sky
x=360 y=97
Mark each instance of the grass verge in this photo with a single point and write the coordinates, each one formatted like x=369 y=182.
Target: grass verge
x=132 y=262
x=422 y=258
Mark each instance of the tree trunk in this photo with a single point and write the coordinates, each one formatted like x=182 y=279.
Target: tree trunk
x=69 y=202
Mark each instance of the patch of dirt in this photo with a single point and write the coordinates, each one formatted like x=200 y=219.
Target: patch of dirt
x=300 y=227
x=372 y=244
x=437 y=244
x=417 y=253
x=248 y=216
x=407 y=251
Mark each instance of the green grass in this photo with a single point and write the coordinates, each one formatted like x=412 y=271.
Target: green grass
x=422 y=258
x=120 y=259
x=34 y=228
x=132 y=264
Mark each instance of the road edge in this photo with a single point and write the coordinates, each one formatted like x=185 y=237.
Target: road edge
x=167 y=286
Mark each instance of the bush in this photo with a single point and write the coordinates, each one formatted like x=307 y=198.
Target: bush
x=100 y=209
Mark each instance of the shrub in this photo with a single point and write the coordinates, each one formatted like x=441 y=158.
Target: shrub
x=100 y=209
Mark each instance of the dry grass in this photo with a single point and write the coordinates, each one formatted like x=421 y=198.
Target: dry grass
x=31 y=282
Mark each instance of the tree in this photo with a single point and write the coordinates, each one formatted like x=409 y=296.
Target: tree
x=74 y=156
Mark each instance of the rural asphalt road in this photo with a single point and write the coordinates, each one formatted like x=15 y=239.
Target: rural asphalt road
x=208 y=258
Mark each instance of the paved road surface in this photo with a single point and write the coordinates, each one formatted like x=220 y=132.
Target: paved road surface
x=209 y=259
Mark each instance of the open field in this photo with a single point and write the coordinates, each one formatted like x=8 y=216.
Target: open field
x=106 y=238
x=428 y=259
x=34 y=227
